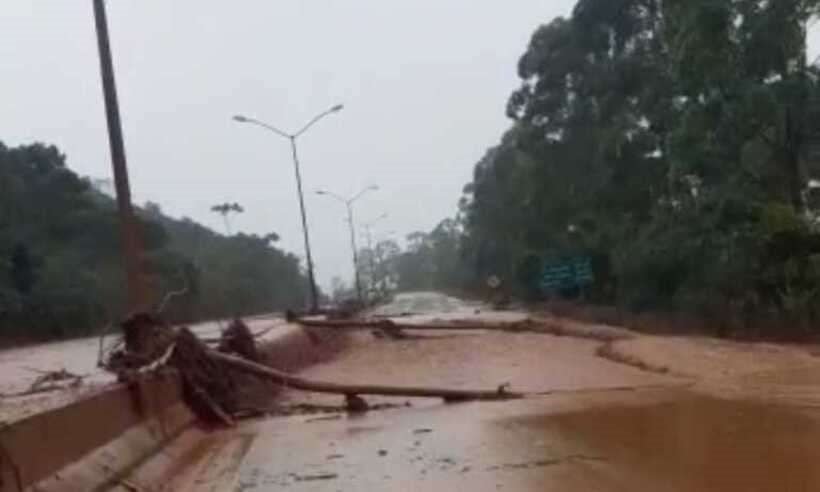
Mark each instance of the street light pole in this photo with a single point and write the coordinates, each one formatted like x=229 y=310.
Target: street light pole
x=348 y=203
x=137 y=290
x=368 y=229
x=314 y=294
x=292 y=137
x=355 y=252
x=368 y=232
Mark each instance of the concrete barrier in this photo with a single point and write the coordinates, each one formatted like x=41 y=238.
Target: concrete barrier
x=91 y=444
x=34 y=448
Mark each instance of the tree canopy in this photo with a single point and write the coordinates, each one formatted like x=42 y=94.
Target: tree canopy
x=60 y=264
x=675 y=143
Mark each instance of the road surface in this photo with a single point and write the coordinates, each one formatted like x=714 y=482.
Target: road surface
x=707 y=416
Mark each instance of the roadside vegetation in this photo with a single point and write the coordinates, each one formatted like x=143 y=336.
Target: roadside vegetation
x=60 y=265
x=673 y=142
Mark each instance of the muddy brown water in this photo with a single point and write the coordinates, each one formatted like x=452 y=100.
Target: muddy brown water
x=664 y=434
x=674 y=441
x=698 y=443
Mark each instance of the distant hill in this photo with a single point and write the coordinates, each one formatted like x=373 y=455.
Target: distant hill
x=60 y=266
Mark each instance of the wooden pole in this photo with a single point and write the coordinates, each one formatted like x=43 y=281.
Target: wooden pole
x=137 y=291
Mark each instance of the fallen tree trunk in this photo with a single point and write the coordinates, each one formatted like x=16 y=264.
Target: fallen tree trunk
x=528 y=325
x=386 y=324
x=451 y=395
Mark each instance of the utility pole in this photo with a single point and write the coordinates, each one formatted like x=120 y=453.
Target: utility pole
x=137 y=291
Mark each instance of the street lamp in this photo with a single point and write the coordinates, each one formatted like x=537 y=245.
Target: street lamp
x=348 y=203
x=367 y=228
x=314 y=293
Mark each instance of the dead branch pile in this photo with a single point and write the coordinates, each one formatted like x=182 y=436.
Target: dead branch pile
x=55 y=379
x=150 y=344
x=207 y=383
x=146 y=337
x=210 y=378
x=238 y=339
x=49 y=381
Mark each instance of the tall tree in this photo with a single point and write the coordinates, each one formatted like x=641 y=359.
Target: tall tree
x=60 y=273
x=673 y=142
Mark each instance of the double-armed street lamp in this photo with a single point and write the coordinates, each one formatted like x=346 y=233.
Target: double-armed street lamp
x=348 y=203
x=367 y=227
x=292 y=137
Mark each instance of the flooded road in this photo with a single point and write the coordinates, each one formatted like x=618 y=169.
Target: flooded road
x=602 y=425
x=699 y=443
x=648 y=414
x=607 y=427
x=652 y=441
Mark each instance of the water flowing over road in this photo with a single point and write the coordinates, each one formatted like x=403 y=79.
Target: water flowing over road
x=604 y=409
x=736 y=417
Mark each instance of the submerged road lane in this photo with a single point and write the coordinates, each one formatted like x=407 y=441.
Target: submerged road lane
x=606 y=426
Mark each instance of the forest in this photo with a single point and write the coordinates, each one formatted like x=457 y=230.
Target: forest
x=674 y=143
x=61 y=271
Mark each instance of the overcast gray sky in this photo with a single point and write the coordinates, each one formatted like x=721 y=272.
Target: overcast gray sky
x=424 y=82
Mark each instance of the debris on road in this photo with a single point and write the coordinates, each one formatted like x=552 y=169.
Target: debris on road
x=607 y=351
x=54 y=377
x=295 y=382
x=208 y=375
x=318 y=476
x=542 y=326
x=238 y=339
x=356 y=404
x=49 y=381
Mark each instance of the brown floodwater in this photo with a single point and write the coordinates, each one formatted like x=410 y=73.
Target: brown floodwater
x=605 y=426
x=592 y=435
x=695 y=443
x=653 y=441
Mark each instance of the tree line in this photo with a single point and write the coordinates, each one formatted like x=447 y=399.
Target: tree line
x=675 y=144
x=61 y=271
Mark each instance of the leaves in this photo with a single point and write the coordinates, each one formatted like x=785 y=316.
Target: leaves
x=60 y=267
x=675 y=139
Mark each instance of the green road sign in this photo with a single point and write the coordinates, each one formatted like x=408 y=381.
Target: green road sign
x=574 y=272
